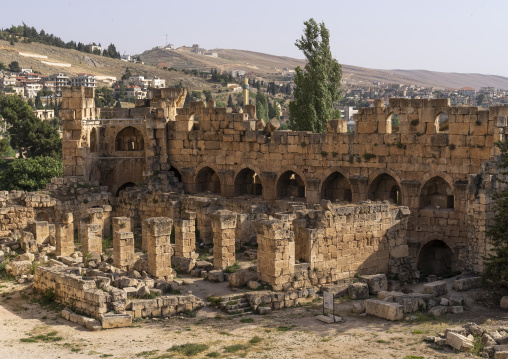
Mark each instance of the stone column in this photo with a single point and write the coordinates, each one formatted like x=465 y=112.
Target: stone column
x=40 y=230
x=185 y=235
x=64 y=235
x=96 y=216
x=123 y=244
x=276 y=252
x=92 y=243
x=158 y=241
x=106 y=210
x=224 y=227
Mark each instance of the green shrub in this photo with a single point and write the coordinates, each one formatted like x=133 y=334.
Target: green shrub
x=189 y=349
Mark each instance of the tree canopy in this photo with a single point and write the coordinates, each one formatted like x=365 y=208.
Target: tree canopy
x=29 y=174
x=317 y=86
x=31 y=136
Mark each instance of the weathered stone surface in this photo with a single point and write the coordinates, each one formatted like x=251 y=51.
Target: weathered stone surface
x=504 y=302
x=183 y=264
x=376 y=282
x=501 y=354
x=438 y=311
x=110 y=321
x=252 y=284
x=18 y=268
x=242 y=277
x=264 y=310
x=358 y=291
x=385 y=310
x=467 y=283
x=216 y=276
x=435 y=288
x=458 y=341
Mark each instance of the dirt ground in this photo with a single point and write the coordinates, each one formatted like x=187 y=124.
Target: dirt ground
x=31 y=329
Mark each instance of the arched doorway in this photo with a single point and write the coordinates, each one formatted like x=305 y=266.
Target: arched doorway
x=385 y=187
x=436 y=257
x=129 y=139
x=437 y=194
x=290 y=184
x=247 y=182
x=207 y=181
x=336 y=187
x=123 y=187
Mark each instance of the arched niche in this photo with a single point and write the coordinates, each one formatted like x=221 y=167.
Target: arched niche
x=442 y=123
x=385 y=187
x=290 y=184
x=436 y=257
x=123 y=187
x=437 y=194
x=207 y=180
x=336 y=187
x=129 y=139
x=392 y=123
x=248 y=182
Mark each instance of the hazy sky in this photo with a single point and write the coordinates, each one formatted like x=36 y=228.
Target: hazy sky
x=441 y=35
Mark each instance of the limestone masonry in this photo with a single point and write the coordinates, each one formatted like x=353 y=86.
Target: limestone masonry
x=314 y=209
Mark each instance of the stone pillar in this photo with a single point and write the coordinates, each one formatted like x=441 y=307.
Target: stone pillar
x=121 y=224
x=276 y=252
x=269 y=181
x=158 y=241
x=64 y=235
x=92 y=243
x=123 y=244
x=313 y=195
x=106 y=213
x=224 y=227
x=185 y=235
x=96 y=216
x=40 y=230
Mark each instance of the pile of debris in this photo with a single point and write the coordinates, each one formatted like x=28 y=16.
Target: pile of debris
x=471 y=336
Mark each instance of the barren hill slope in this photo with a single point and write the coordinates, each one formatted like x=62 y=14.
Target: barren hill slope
x=81 y=62
x=267 y=65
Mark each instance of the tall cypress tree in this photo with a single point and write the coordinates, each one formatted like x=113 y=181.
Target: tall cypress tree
x=317 y=86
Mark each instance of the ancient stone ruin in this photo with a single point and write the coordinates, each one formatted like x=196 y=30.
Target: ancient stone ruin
x=149 y=192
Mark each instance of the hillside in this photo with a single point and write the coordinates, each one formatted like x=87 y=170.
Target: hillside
x=73 y=62
x=268 y=65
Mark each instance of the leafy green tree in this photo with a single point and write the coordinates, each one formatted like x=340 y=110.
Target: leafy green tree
x=262 y=107
x=30 y=174
x=496 y=264
x=14 y=66
x=208 y=95
x=273 y=110
x=2 y=66
x=317 y=86
x=230 y=101
x=28 y=134
x=4 y=147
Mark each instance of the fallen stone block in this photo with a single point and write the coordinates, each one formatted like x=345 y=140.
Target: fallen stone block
x=458 y=341
x=358 y=308
x=92 y=324
x=376 y=282
x=329 y=319
x=264 y=310
x=437 y=289
x=504 y=302
x=358 y=291
x=110 y=321
x=467 y=283
x=19 y=268
x=457 y=309
x=25 y=257
x=438 y=311
x=253 y=284
x=242 y=277
x=501 y=354
x=455 y=300
x=66 y=314
x=182 y=264
x=385 y=310
x=216 y=275
x=55 y=263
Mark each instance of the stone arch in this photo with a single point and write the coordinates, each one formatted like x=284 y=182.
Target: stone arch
x=392 y=123
x=336 y=187
x=207 y=180
x=385 y=187
x=123 y=187
x=291 y=184
x=248 y=182
x=441 y=123
x=42 y=216
x=437 y=193
x=436 y=255
x=176 y=172
x=93 y=140
x=129 y=139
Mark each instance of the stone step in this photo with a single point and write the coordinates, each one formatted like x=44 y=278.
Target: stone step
x=238 y=312
x=238 y=306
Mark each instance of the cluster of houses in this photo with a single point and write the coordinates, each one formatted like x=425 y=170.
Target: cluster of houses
x=465 y=96
x=27 y=83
